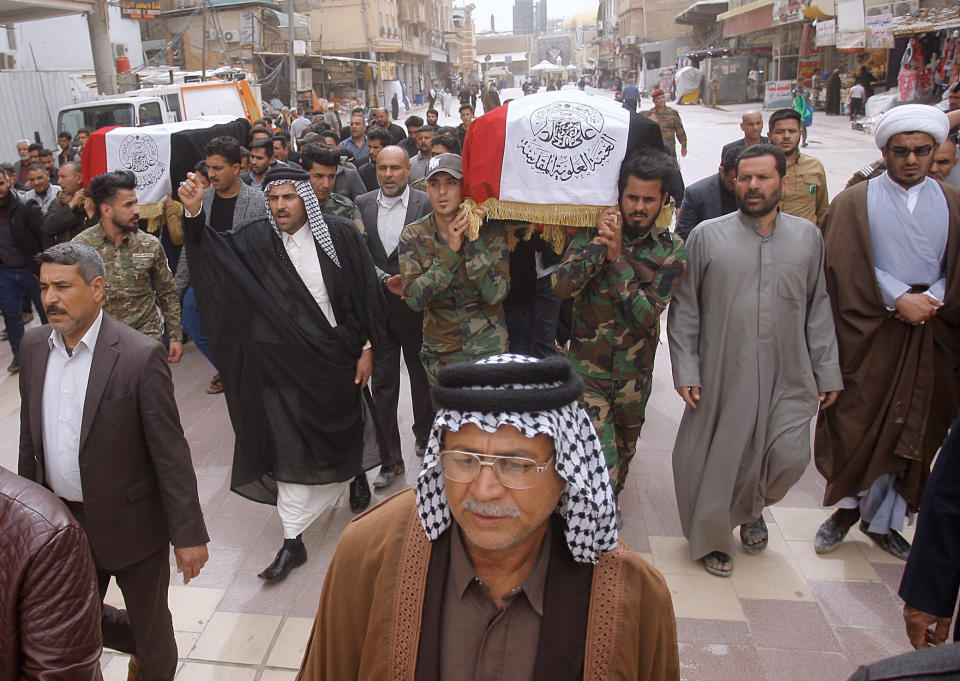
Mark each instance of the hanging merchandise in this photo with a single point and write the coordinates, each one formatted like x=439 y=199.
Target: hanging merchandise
x=907 y=78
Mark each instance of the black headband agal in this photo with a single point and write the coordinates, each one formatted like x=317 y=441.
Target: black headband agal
x=492 y=388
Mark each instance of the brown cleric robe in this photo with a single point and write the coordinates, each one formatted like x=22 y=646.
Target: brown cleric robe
x=378 y=618
x=901 y=382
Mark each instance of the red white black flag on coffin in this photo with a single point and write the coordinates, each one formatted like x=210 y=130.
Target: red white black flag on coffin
x=159 y=155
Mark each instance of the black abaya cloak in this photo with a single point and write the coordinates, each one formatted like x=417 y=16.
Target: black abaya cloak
x=288 y=374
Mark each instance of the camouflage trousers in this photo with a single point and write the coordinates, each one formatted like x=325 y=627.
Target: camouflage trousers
x=616 y=408
x=433 y=363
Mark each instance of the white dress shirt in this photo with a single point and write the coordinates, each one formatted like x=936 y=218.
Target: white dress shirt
x=302 y=250
x=391 y=216
x=64 y=393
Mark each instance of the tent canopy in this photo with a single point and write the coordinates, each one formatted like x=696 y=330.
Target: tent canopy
x=546 y=67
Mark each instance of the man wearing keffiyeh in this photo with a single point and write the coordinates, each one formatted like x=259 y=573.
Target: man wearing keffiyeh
x=291 y=305
x=504 y=562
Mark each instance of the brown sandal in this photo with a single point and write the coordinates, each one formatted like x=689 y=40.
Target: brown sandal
x=216 y=386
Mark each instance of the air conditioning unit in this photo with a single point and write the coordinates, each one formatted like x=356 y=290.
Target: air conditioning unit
x=211 y=34
x=231 y=36
x=629 y=40
x=8 y=60
x=902 y=8
x=119 y=50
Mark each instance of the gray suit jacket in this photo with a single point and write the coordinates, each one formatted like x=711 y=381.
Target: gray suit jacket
x=251 y=205
x=139 y=487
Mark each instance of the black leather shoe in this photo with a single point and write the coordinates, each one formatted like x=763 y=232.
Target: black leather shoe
x=359 y=493
x=287 y=559
x=830 y=534
x=892 y=542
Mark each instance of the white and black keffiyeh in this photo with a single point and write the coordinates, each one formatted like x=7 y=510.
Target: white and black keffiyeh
x=315 y=221
x=587 y=502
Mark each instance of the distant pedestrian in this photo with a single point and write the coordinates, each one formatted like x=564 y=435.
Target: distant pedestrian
x=394 y=107
x=671 y=127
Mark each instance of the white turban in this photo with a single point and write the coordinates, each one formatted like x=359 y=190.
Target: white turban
x=912 y=118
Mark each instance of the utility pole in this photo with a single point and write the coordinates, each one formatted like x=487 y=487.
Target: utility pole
x=371 y=55
x=292 y=56
x=103 y=65
x=203 y=43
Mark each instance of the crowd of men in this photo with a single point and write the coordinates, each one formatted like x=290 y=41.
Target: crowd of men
x=310 y=261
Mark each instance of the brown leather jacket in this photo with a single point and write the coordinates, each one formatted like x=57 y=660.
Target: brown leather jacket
x=49 y=604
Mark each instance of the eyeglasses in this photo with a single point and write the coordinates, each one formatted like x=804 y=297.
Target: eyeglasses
x=514 y=472
x=902 y=152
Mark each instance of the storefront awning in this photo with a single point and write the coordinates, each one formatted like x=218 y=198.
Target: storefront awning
x=927 y=20
x=757 y=19
x=702 y=12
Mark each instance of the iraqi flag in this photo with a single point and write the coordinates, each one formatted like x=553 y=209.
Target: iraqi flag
x=551 y=158
x=159 y=155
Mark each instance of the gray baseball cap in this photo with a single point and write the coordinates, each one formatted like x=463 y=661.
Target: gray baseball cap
x=445 y=163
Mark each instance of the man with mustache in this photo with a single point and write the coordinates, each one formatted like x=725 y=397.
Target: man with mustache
x=292 y=307
x=622 y=277
x=754 y=354
x=504 y=563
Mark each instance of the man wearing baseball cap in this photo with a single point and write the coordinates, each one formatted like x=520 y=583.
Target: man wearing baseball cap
x=459 y=283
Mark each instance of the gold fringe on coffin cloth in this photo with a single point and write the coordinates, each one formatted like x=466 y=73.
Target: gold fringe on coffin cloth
x=555 y=217
x=552 y=219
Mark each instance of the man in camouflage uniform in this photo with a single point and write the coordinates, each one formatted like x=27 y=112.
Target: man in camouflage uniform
x=805 y=194
x=138 y=277
x=458 y=283
x=671 y=127
x=321 y=163
x=621 y=280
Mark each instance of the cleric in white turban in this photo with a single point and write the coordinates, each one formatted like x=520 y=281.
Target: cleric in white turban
x=912 y=118
x=895 y=290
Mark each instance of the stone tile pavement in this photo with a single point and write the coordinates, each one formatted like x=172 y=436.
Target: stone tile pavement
x=785 y=615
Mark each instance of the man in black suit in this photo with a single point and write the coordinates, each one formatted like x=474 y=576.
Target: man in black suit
x=711 y=197
x=100 y=428
x=385 y=212
x=752 y=125
x=932 y=575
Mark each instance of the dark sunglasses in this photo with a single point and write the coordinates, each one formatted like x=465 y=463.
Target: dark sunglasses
x=902 y=152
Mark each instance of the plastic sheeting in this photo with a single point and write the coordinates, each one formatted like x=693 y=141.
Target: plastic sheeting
x=688 y=80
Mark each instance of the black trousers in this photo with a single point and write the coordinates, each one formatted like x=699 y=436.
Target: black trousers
x=385 y=384
x=145 y=628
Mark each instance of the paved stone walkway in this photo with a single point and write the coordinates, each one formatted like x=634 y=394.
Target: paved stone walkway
x=785 y=615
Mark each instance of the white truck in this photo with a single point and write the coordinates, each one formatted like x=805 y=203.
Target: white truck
x=163 y=104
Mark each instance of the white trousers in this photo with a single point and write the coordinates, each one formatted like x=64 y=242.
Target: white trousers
x=300 y=505
x=881 y=506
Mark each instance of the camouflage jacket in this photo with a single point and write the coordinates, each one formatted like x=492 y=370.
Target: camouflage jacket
x=138 y=282
x=337 y=204
x=671 y=128
x=617 y=305
x=460 y=292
